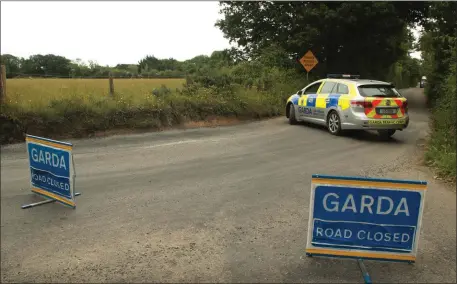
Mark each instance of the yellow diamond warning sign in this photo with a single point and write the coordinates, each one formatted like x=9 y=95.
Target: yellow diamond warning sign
x=309 y=61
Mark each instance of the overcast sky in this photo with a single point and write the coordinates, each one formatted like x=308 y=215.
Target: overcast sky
x=111 y=32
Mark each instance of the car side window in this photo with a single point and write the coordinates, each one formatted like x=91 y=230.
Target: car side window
x=342 y=89
x=328 y=87
x=313 y=88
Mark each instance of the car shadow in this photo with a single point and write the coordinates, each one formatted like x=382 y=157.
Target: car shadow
x=359 y=135
x=372 y=136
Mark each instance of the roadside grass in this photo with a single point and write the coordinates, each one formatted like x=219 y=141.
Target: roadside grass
x=441 y=150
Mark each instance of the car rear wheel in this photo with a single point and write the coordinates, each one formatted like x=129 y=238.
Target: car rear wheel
x=292 y=119
x=386 y=133
x=334 y=123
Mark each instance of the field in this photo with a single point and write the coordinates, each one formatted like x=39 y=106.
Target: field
x=64 y=108
x=37 y=93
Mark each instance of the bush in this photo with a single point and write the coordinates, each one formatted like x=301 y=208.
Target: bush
x=441 y=152
x=248 y=90
x=439 y=49
x=162 y=91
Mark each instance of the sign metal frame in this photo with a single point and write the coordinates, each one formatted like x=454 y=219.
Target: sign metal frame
x=364 y=183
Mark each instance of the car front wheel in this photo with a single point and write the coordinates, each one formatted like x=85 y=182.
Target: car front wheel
x=292 y=119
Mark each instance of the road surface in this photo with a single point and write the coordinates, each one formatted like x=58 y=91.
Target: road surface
x=224 y=204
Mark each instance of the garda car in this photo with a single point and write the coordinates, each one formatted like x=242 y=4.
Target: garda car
x=346 y=102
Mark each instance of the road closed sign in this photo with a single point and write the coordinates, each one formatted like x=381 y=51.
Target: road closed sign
x=365 y=217
x=51 y=169
x=309 y=61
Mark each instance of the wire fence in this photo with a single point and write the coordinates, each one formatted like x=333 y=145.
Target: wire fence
x=114 y=76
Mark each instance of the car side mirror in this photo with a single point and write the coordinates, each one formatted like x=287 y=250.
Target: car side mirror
x=300 y=92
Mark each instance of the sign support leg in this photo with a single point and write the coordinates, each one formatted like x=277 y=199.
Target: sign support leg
x=43 y=202
x=366 y=276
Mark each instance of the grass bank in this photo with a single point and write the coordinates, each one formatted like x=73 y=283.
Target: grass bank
x=75 y=108
x=441 y=150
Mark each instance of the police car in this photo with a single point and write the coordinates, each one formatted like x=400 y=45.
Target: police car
x=346 y=102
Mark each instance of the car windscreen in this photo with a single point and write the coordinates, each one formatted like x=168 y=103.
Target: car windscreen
x=384 y=91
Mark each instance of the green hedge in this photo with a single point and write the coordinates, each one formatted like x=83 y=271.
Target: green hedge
x=441 y=152
x=439 y=50
x=247 y=91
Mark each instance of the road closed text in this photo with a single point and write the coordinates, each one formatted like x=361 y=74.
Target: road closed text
x=363 y=234
x=355 y=234
x=50 y=181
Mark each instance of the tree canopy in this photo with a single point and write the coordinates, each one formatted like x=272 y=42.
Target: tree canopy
x=365 y=38
x=439 y=52
x=51 y=65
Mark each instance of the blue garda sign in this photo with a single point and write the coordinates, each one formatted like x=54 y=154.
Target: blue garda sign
x=365 y=217
x=51 y=169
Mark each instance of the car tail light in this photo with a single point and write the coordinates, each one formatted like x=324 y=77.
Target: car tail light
x=361 y=103
x=405 y=106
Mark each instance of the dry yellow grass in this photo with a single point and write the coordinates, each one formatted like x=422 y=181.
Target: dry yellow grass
x=38 y=92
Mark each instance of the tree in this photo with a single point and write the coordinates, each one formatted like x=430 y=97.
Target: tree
x=48 y=64
x=356 y=37
x=148 y=63
x=438 y=45
x=152 y=63
x=12 y=64
x=439 y=51
x=220 y=58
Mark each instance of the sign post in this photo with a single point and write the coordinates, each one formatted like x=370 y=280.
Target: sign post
x=52 y=170
x=309 y=61
x=365 y=218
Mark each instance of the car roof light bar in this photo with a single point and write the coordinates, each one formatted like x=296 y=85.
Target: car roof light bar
x=343 y=76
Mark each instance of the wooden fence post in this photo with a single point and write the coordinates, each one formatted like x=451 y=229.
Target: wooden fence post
x=2 y=84
x=111 y=85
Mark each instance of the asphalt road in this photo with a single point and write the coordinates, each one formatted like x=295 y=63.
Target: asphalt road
x=225 y=204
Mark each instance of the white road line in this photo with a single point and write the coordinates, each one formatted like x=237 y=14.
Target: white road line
x=184 y=142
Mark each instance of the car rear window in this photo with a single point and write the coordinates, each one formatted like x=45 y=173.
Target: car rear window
x=384 y=91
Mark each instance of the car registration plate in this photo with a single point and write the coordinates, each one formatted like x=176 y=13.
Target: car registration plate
x=387 y=111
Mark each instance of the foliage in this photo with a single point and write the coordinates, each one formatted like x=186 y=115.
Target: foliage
x=80 y=107
x=344 y=36
x=12 y=64
x=439 y=48
x=149 y=67
x=405 y=73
